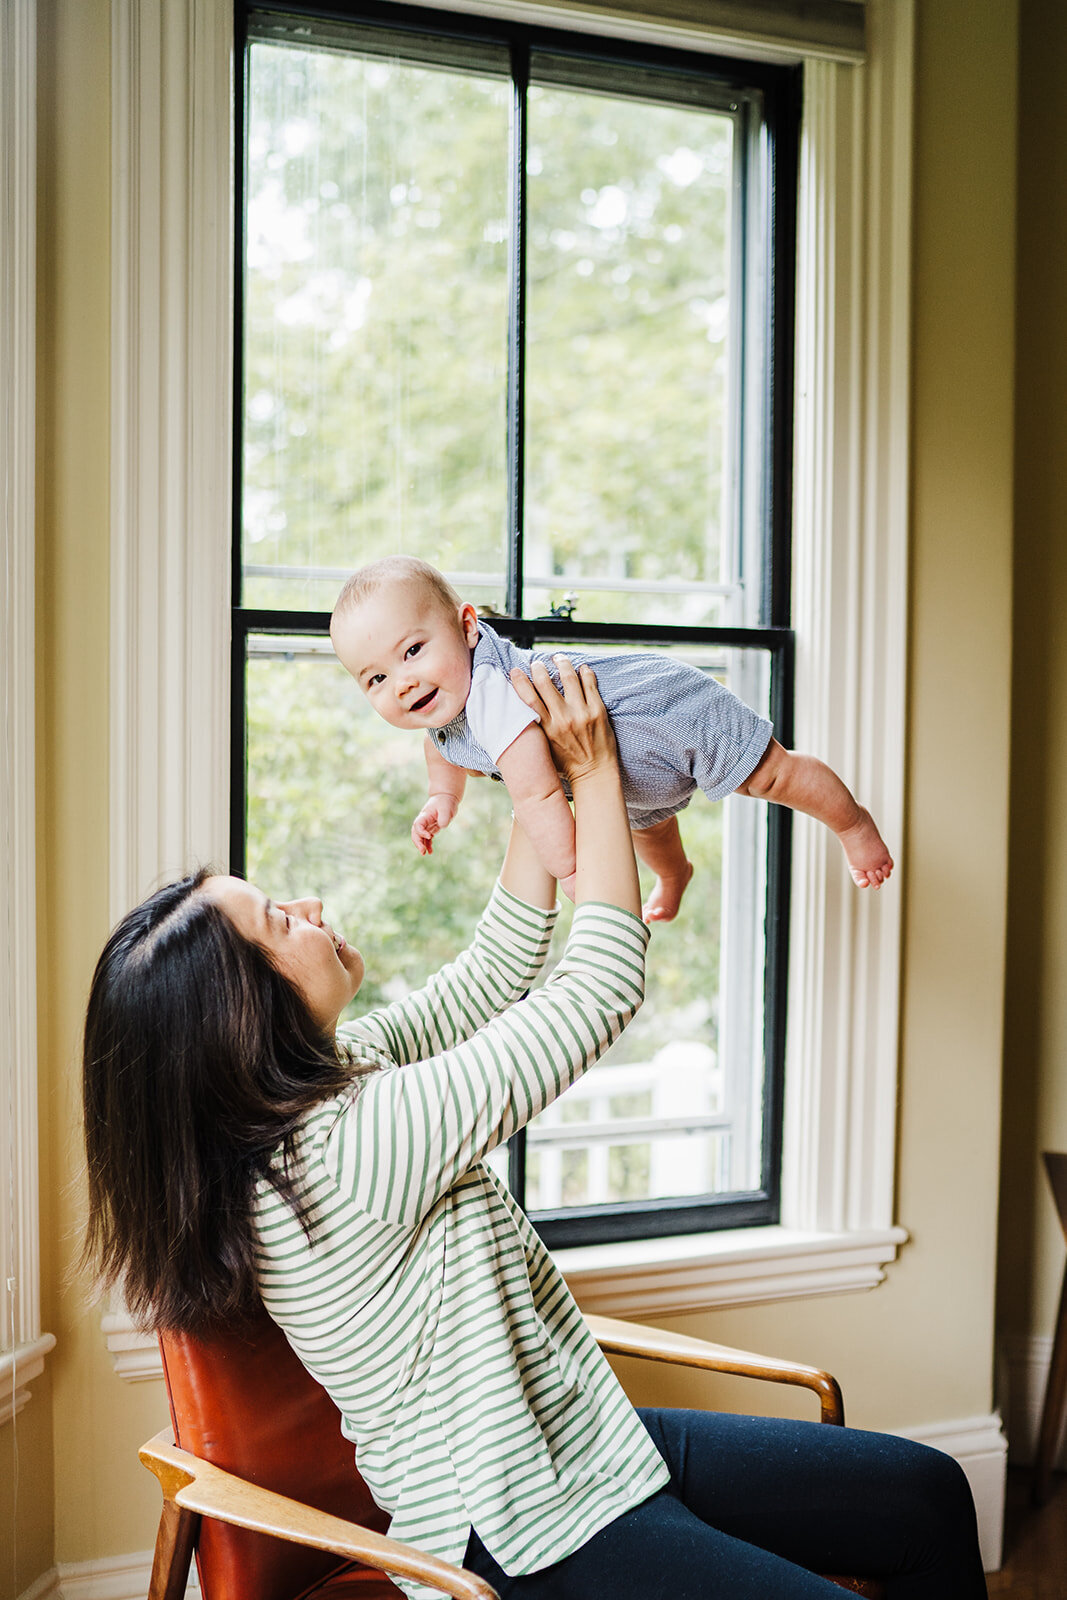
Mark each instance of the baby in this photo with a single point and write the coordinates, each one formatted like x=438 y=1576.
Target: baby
x=425 y=659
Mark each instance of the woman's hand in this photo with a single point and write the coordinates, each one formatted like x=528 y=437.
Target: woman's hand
x=576 y=722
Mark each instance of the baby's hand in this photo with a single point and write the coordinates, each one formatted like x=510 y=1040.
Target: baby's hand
x=436 y=814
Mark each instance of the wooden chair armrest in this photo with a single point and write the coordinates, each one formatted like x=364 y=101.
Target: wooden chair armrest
x=655 y=1344
x=200 y=1487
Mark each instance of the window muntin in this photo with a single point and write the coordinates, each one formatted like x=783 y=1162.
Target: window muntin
x=681 y=1128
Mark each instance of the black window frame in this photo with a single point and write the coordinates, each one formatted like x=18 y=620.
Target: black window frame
x=780 y=90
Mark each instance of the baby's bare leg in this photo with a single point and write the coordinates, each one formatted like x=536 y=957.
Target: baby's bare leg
x=806 y=784
x=660 y=848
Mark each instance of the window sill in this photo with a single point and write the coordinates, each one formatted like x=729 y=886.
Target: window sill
x=18 y=1368
x=740 y=1267
x=135 y=1354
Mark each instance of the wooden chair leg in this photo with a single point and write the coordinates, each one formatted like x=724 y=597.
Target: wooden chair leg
x=1053 y=1408
x=175 y=1543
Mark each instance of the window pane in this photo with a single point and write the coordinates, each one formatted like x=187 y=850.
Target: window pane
x=332 y=792
x=375 y=321
x=692 y=1060
x=631 y=316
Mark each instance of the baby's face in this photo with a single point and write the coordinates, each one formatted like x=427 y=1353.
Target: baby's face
x=409 y=654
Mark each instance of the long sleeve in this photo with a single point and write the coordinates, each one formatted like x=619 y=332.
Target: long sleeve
x=505 y=956
x=410 y=1134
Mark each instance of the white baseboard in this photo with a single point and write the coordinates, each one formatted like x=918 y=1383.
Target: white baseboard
x=980 y=1447
x=1023 y=1361
x=45 y=1587
x=977 y=1443
x=112 y=1578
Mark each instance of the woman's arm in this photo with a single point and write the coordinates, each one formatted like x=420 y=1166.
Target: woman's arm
x=524 y=874
x=409 y=1136
x=503 y=959
x=496 y=969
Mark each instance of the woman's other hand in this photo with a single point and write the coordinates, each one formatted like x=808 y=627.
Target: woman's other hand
x=575 y=722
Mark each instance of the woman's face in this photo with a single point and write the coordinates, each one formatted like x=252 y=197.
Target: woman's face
x=325 y=970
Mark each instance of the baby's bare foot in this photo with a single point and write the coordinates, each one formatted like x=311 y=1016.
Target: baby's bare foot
x=667 y=891
x=865 y=850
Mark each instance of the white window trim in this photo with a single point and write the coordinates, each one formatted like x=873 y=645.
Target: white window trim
x=23 y=1346
x=171 y=430
x=753 y=29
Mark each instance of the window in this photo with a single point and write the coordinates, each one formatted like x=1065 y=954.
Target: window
x=521 y=303
x=171 y=491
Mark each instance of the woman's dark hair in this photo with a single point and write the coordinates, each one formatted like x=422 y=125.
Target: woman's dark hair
x=201 y=1060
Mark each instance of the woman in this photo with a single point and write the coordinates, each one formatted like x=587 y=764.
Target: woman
x=241 y=1144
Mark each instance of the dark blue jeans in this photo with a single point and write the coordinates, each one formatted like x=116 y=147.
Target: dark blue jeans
x=756 y=1507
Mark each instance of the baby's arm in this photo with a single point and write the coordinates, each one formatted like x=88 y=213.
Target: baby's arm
x=446 y=791
x=806 y=784
x=541 y=808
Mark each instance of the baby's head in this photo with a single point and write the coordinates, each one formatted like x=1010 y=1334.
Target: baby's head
x=406 y=637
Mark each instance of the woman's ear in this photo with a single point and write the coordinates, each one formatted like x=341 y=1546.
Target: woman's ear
x=468 y=621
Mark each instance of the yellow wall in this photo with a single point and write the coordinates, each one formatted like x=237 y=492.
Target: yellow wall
x=26 y=1508
x=920 y=1348
x=1035 y=1054
x=104 y=1501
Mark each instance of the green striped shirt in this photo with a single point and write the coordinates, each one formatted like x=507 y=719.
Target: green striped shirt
x=425 y=1303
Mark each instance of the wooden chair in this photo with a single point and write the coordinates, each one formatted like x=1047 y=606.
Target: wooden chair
x=259 y=1482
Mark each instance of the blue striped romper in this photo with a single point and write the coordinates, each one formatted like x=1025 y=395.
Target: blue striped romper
x=677 y=729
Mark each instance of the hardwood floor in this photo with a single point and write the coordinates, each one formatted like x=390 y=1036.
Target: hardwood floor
x=1035 y=1543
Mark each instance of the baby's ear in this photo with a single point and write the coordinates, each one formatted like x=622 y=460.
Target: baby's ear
x=468 y=621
